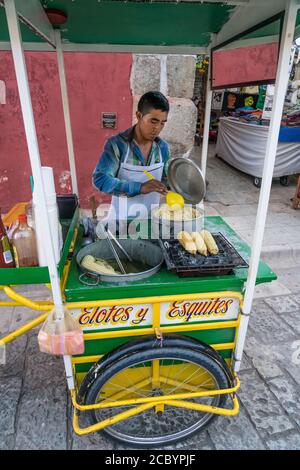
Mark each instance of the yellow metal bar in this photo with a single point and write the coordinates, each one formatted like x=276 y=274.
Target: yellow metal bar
x=18 y=304
x=141 y=408
x=160 y=399
x=9 y=304
x=85 y=359
x=20 y=331
x=108 y=422
x=207 y=408
x=65 y=275
x=26 y=302
x=154 y=299
x=155 y=373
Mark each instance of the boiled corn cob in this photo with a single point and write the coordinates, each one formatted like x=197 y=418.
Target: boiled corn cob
x=187 y=242
x=209 y=242
x=200 y=244
x=99 y=266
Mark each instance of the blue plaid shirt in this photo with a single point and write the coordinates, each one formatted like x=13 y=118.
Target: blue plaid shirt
x=105 y=174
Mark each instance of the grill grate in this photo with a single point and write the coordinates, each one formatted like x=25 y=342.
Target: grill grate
x=179 y=261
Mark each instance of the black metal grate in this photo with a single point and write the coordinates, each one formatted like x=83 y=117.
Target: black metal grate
x=179 y=261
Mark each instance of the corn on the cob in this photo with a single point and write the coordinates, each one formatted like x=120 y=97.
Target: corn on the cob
x=99 y=266
x=200 y=244
x=209 y=242
x=187 y=242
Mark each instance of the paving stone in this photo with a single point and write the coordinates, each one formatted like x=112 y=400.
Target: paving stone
x=15 y=357
x=262 y=291
x=297 y=298
x=5 y=320
x=266 y=413
x=263 y=358
x=293 y=320
x=228 y=432
x=268 y=326
x=290 y=277
x=7 y=442
x=42 y=420
x=288 y=441
x=282 y=304
x=21 y=316
x=284 y=355
x=246 y=363
x=287 y=393
x=95 y=441
x=10 y=389
x=42 y=369
x=34 y=291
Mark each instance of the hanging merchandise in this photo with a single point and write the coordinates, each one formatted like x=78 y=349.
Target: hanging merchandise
x=6 y=257
x=61 y=336
x=24 y=244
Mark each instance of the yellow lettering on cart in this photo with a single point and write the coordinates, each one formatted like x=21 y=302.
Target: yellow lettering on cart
x=196 y=310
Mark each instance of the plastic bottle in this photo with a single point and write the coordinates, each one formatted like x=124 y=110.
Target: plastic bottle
x=29 y=214
x=24 y=244
x=6 y=257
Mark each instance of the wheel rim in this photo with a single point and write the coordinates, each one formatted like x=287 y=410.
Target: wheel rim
x=154 y=426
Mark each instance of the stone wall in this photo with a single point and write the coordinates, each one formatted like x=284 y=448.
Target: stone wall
x=173 y=75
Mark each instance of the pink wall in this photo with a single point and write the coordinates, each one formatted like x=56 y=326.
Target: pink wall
x=245 y=65
x=96 y=83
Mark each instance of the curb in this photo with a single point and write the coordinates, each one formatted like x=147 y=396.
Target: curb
x=283 y=256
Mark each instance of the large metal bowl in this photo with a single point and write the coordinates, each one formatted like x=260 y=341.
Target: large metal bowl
x=185 y=178
x=141 y=251
x=169 y=229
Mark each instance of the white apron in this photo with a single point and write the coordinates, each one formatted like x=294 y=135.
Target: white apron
x=123 y=207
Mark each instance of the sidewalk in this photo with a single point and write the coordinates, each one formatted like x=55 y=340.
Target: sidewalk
x=35 y=409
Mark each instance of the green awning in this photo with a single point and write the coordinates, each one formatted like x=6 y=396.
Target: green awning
x=136 y=23
x=119 y=22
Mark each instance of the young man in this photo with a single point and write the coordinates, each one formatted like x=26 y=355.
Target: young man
x=127 y=155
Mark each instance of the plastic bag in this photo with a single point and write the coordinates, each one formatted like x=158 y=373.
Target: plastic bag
x=61 y=337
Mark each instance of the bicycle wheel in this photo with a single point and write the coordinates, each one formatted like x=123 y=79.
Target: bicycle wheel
x=163 y=371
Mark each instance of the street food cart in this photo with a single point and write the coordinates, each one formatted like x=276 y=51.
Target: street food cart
x=161 y=353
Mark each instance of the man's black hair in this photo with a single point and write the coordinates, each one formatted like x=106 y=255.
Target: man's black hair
x=153 y=100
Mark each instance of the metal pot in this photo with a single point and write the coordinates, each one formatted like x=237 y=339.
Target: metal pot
x=168 y=229
x=141 y=251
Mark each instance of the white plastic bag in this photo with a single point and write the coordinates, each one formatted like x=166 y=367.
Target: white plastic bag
x=61 y=337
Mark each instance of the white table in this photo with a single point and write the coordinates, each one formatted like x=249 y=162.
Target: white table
x=243 y=146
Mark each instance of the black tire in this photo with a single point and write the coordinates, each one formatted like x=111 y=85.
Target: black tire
x=284 y=180
x=257 y=182
x=148 y=342
x=141 y=426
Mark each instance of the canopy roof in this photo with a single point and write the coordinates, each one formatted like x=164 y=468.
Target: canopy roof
x=144 y=23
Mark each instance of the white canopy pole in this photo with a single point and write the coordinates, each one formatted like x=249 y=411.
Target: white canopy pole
x=272 y=141
x=205 y=137
x=34 y=155
x=66 y=109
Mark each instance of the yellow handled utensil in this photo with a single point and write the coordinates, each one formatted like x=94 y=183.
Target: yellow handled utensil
x=174 y=200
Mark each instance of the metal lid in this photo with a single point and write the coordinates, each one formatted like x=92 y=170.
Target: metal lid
x=185 y=178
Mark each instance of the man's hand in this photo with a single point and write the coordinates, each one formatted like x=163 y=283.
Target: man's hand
x=153 y=186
